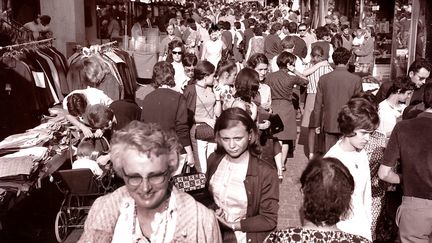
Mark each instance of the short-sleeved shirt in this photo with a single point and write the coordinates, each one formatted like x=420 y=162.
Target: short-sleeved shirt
x=410 y=143
x=94 y=96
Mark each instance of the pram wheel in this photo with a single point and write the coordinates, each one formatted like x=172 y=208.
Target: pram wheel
x=61 y=226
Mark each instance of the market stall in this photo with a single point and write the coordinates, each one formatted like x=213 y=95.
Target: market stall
x=143 y=47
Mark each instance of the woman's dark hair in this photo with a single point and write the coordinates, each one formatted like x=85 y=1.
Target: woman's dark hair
x=317 y=51
x=322 y=31
x=256 y=59
x=163 y=74
x=275 y=28
x=45 y=20
x=258 y=30
x=225 y=66
x=288 y=42
x=284 y=59
x=171 y=46
x=358 y=113
x=247 y=84
x=213 y=28
x=189 y=60
x=202 y=69
x=400 y=85
x=230 y=118
x=76 y=104
x=327 y=187
x=98 y=116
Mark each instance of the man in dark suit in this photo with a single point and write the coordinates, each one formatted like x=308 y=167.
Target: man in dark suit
x=334 y=90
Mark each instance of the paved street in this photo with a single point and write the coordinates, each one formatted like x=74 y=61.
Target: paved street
x=290 y=195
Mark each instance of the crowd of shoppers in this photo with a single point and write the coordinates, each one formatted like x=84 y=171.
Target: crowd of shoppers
x=255 y=63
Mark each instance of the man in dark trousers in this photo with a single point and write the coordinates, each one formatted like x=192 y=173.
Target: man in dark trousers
x=410 y=146
x=334 y=90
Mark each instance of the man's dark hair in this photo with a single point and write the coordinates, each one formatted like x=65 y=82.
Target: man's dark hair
x=341 y=56
x=292 y=27
x=419 y=64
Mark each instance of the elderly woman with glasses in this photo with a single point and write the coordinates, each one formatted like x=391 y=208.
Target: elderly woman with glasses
x=148 y=208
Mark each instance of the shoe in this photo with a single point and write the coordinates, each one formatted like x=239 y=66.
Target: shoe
x=280 y=177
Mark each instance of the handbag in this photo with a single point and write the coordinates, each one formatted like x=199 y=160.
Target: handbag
x=204 y=132
x=276 y=126
x=190 y=180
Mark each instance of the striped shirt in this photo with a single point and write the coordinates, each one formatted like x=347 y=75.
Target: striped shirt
x=315 y=76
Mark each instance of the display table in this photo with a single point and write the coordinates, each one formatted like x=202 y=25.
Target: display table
x=28 y=158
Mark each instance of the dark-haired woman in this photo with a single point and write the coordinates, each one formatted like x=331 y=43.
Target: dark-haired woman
x=245 y=188
x=357 y=120
x=281 y=84
x=327 y=186
x=167 y=107
x=204 y=106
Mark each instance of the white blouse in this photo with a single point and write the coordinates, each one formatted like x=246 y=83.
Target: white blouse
x=389 y=116
x=360 y=218
x=229 y=192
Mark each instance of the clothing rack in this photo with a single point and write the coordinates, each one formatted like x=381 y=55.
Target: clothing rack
x=108 y=44
x=10 y=47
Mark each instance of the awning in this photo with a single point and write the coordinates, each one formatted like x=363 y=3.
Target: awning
x=181 y=2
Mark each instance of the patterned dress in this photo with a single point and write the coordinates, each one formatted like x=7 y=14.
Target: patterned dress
x=301 y=235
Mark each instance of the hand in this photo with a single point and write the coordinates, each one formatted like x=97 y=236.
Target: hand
x=217 y=91
x=190 y=160
x=103 y=159
x=317 y=130
x=264 y=125
x=324 y=63
x=291 y=68
x=86 y=131
x=98 y=133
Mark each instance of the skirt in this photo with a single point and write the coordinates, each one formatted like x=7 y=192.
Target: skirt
x=309 y=106
x=287 y=113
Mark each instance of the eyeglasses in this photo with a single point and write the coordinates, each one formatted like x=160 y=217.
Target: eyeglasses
x=177 y=52
x=136 y=180
x=302 y=30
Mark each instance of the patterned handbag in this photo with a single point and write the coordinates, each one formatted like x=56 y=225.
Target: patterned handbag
x=190 y=180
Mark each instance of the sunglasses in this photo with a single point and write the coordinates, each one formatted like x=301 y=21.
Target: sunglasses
x=177 y=52
x=302 y=30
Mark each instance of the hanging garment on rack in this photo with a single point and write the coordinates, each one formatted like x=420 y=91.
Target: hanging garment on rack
x=29 y=85
x=120 y=80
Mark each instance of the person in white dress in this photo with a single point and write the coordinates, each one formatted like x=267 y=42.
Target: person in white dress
x=212 y=49
x=357 y=120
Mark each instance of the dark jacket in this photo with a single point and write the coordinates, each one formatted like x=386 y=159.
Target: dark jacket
x=191 y=97
x=262 y=188
x=334 y=90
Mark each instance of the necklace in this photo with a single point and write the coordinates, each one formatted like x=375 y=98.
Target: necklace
x=164 y=213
